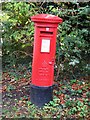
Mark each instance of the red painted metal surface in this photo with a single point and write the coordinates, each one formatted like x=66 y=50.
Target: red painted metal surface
x=44 y=49
x=46 y=18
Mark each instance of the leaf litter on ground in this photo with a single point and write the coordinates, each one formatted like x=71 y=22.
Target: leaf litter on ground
x=67 y=97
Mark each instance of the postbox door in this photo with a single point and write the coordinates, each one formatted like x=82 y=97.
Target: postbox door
x=43 y=73
x=46 y=69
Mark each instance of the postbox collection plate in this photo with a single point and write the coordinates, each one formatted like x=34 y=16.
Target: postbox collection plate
x=45 y=45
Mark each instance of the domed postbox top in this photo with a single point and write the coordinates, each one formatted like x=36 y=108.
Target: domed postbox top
x=48 y=18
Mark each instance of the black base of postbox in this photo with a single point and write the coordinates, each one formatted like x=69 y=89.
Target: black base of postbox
x=41 y=95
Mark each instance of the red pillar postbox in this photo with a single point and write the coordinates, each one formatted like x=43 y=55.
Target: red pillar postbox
x=43 y=58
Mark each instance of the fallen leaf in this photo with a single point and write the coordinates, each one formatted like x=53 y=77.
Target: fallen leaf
x=84 y=95
x=4 y=88
x=80 y=99
x=75 y=87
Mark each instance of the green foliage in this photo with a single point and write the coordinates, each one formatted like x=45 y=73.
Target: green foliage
x=73 y=81
x=72 y=54
x=18 y=28
x=77 y=107
x=72 y=50
x=72 y=111
x=73 y=41
x=79 y=91
x=88 y=94
x=66 y=103
x=9 y=88
x=69 y=103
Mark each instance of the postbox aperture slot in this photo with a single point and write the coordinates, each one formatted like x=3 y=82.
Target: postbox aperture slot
x=45 y=45
x=46 y=32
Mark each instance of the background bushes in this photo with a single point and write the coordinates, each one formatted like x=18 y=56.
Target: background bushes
x=72 y=53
